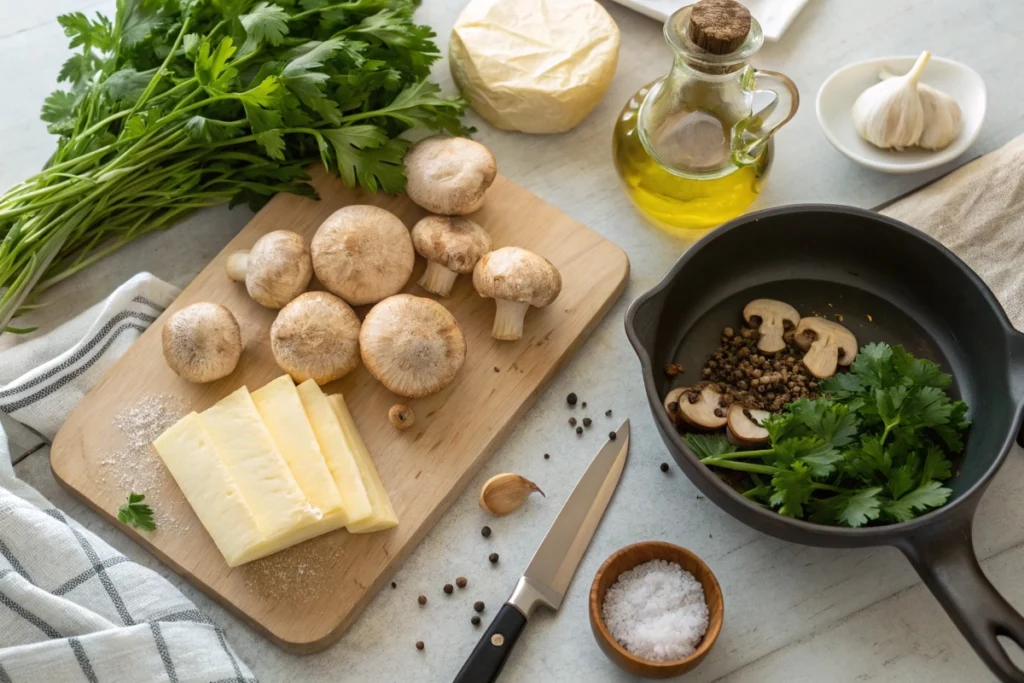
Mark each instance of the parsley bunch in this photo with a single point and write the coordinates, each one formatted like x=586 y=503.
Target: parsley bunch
x=873 y=449
x=177 y=105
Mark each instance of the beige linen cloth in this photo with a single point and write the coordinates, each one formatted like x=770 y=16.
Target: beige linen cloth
x=978 y=212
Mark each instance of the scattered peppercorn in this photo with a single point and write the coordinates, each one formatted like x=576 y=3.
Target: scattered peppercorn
x=584 y=404
x=486 y=531
x=461 y=582
x=422 y=599
x=664 y=467
x=493 y=557
x=673 y=369
x=547 y=456
x=611 y=435
x=448 y=588
x=571 y=399
x=419 y=644
x=475 y=620
x=394 y=585
x=572 y=421
x=496 y=369
x=608 y=413
x=587 y=422
x=478 y=605
x=579 y=430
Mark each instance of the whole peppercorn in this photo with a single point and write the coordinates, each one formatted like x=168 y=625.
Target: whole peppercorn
x=611 y=435
x=571 y=399
x=572 y=421
x=579 y=430
x=664 y=467
x=394 y=585
x=586 y=422
x=493 y=557
x=478 y=605
x=448 y=588
x=419 y=644
x=584 y=404
x=547 y=456
x=485 y=532
x=475 y=620
x=461 y=582
x=422 y=599
x=608 y=413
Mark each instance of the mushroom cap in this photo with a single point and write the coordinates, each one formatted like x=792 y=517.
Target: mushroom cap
x=697 y=407
x=202 y=342
x=278 y=268
x=412 y=345
x=773 y=316
x=515 y=274
x=363 y=254
x=831 y=331
x=449 y=176
x=671 y=404
x=746 y=430
x=316 y=336
x=454 y=242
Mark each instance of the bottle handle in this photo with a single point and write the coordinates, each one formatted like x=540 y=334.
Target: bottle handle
x=751 y=134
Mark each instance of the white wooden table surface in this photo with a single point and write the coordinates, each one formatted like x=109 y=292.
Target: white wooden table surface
x=792 y=613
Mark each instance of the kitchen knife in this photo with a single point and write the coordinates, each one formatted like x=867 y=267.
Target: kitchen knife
x=548 y=575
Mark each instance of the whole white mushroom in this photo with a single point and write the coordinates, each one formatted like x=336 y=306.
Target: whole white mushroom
x=202 y=342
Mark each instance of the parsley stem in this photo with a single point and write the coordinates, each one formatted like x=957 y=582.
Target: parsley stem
x=746 y=454
x=742 y=466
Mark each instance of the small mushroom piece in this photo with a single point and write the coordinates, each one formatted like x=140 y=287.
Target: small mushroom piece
x=771 y=318
x=401 y=417
x=672 y=400
x=412 y=345
x=202 y=342
x=276 y=270
x=516 y=279
x=700 y=407
x=452 y=246
x=363 y=254
x=449 y=176
x=827 y=345
x=744 y=425
x=316 y=336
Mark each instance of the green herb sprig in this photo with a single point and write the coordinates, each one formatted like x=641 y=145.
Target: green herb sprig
x=136 y=513
x=177 y=105
x=873 y=449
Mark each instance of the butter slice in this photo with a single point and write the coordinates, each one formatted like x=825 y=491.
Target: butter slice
x=340 y=459
x=255 y=464
x=189 y=454
x=279 y=405
x=383 y=516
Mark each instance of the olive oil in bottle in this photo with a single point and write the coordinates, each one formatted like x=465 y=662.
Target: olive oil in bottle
x=671 y=200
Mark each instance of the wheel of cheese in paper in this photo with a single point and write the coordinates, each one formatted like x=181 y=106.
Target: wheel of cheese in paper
x=536 y=66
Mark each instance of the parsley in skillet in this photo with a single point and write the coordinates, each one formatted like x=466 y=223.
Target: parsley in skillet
x=873 y=449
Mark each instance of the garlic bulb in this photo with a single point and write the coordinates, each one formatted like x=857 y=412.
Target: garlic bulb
x=890 y=114
x=942 y=117
x=503 y=493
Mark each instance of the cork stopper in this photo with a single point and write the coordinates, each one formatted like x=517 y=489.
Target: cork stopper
x=719 y=26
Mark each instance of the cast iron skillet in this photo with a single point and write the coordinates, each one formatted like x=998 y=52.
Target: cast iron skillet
x=918 y=294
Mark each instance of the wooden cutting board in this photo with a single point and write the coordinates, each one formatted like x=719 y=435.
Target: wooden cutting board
x=305 y=597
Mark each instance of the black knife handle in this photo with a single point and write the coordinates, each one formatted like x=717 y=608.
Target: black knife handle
x=490 y=653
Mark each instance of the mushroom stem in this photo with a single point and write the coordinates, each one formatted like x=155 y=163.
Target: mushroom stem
x=508 y=320
x=237 y=265
x=437 y=279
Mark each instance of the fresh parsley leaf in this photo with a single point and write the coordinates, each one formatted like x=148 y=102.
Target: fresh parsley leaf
x=872 y=365
x=901 y=480
x=273 y=143
x=936 y=466
x=709 y=445
x=843 y=385
x=919 y=371
x=951 y=434
x=792 y=490
x=860 y=507
x=127 y=85
x=266 y=23
x=136 y=513
x=211 y=65
x=929 y=495
x=927 y=407
x=832 y=422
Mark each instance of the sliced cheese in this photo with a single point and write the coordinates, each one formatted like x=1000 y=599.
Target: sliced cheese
x=341 y=462
x=279 y=405
x=255 y=464
x=188 y=452
x=383 y=515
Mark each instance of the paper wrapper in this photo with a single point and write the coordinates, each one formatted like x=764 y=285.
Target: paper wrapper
x=536 y=66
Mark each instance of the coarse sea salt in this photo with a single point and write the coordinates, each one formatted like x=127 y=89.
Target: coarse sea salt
x=656 y=611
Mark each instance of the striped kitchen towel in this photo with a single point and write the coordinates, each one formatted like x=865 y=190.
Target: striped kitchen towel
x=71 y=607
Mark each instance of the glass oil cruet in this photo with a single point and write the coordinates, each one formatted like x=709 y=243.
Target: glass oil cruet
x=689 y=147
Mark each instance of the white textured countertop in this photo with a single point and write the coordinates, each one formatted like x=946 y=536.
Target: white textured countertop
x=792 y=613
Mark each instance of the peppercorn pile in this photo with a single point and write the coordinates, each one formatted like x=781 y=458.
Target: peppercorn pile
x=743 y=374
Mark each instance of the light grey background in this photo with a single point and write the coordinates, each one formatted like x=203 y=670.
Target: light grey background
x=793 y=613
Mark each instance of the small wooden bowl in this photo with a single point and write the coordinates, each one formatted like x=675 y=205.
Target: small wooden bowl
x=637 y=554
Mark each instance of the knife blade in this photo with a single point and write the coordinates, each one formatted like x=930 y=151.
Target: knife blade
x=550 y=572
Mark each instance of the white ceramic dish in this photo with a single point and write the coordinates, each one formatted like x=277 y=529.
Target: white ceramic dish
x=841 y=89
x=774 y=16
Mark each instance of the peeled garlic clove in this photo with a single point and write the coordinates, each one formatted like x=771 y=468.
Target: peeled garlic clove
x=890 y=114
x=503 y=493
x=942 y=118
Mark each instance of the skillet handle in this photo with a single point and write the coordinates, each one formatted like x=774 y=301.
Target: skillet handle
x=946 y=561
x=1017 y=374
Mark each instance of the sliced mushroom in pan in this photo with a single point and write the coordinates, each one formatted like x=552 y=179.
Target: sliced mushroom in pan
x=744 y=425
x=772 y=319
x=827 y=345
